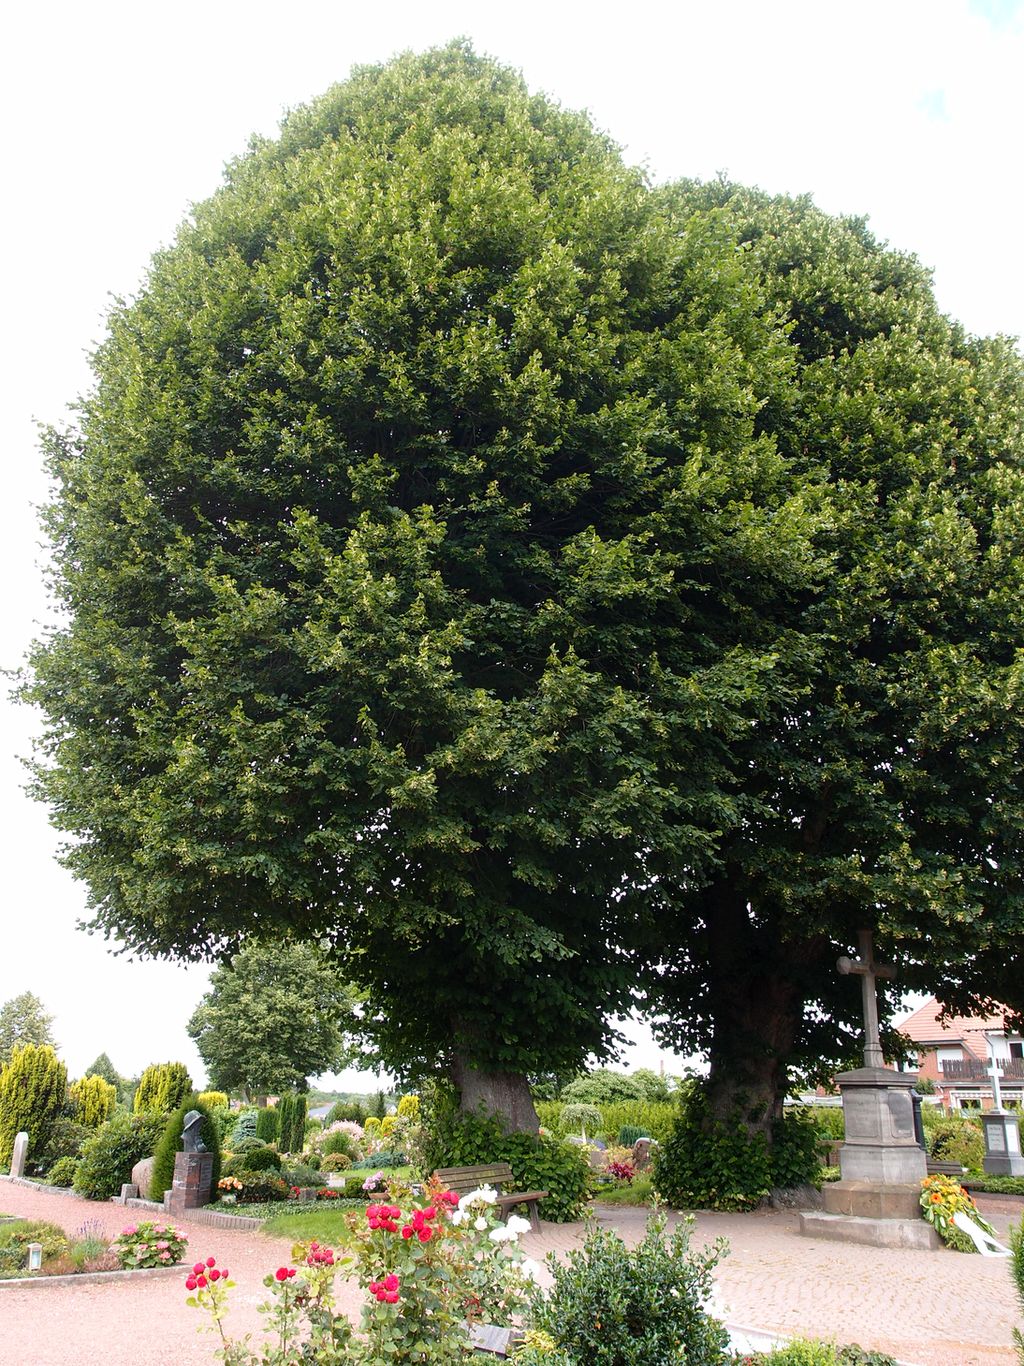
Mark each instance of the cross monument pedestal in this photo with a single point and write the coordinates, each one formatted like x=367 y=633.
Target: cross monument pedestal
x=1002 y=1132
x=881 y=1162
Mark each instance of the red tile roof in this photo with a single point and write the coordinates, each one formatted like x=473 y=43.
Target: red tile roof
x=925 y=1028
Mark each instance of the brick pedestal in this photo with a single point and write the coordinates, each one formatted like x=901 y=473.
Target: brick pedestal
x=193 y=1181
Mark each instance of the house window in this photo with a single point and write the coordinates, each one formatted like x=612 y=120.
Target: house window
x=1017 y=1048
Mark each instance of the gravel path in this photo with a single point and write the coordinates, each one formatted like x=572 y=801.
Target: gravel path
x=926 y=1308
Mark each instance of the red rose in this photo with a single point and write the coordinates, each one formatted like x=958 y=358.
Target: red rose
x=190 y=1283
x=199 y=1268
x=408 y=1231
x=201 y=1282
x=214 y=1275
x=211 y=1261
x=430 y=1213
x=391 y=1296
x=390 y=1282
x=425 y=1235
x=281 y=1273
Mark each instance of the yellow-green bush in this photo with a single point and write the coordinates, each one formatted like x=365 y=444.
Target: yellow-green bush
x=409 y=1105
x=162 y=1088
x=33 y=1090
x=214 y=1100
x=94 y=1099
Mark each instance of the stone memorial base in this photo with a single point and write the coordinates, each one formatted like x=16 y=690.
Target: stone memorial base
x=854 y=1228
x=193 y=1182
x=878 y=1200
x=1002 y=1144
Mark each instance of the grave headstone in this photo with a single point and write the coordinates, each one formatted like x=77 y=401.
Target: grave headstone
x=19 y=1155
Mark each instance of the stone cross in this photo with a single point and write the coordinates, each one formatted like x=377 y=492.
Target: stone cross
x=996 y=1072
x=868 y=971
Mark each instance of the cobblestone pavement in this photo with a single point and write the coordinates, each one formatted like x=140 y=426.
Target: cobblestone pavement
x=926 y=1308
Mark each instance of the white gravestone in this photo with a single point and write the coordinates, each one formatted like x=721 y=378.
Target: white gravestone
x=20 y=1154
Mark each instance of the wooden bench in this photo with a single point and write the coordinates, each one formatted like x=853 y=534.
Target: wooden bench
x=462 y=1180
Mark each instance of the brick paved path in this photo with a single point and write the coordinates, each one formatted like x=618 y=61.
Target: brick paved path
x=927 y=1308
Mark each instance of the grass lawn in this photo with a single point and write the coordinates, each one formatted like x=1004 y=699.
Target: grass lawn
x=327 y=1223
x=637 y=1192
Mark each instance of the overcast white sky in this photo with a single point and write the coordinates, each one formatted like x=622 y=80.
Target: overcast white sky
x=119 y=115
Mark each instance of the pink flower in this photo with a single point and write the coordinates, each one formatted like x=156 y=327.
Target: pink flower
x=162 y=1244
x=130 y=1231
x=165 y=1256
x=199 y=1268
x=190 y=1282
x=391 y=1282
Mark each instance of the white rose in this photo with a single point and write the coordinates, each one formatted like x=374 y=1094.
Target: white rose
x=517 y=1224
x=458 y=1218
x=480 y=1223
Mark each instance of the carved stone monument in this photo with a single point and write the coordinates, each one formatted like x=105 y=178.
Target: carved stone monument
x=1002 y=1132
x=19 y=1154
x=193 y=1170
x=882 y=1163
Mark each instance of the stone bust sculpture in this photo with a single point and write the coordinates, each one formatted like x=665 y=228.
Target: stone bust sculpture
x=192 y=1143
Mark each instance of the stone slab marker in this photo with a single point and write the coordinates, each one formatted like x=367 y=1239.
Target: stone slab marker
x=20 y=1154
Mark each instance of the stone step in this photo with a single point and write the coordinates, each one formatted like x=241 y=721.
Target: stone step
x=853 y=1228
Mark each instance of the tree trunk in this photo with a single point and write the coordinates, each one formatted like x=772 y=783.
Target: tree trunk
x=756 y=1004
x=503 y=1094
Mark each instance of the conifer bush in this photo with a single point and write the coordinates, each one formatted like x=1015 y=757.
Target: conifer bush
x=268 y=1124
x=110 y=1154
x=94 y=1099
x=162 y=1088
x=33 y=1091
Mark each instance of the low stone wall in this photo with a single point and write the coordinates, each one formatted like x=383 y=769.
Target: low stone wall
x=85 y=1277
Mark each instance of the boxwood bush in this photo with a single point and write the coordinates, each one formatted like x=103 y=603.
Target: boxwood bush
x=110 y=1154
x=610 y=1305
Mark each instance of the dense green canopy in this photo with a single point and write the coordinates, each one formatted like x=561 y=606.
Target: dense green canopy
x=386 y=543
x=885 y=788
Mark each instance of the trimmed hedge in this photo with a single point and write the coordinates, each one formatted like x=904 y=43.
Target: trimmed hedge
x=162 y=1088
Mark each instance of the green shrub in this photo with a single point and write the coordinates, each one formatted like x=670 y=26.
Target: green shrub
x=268 y=1124
x=162 y=1088
x=336 y=1162
x=171 y=1143
x=613 y=1306
x=262 y=1159
x=65 y=1140
x=292 y=1122
x=827 y=1119
x=630 y=1133
x=260 y=1187
x=214 y=1100
x=409 y=1106
x=793 y=1160
x=604 y=1086
x=62 y=1173
x=580 y=1118
x=301 y=1174
x=33 y=1090
x=656 y=1118
x=340 y=1143
x=94 y=1100
x=956 y=1140
x=809 y=1352
x=246 y=1145
x=371 y=1126
x=113 y=1150
x=708 y=1164
x=1017 y=1272
x=387 y=1157
x=454 y=1139
x=15 y=1238
x=244 y=1127
x=995 y=1185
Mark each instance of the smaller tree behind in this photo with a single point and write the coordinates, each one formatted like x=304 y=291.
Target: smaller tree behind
x=33 y=1090
x=162 y=1088
x=104 y=1068
x=23 y=1020
x=94 y=1099
x=272 y=1018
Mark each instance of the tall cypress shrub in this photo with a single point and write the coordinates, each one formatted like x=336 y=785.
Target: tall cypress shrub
x=171 y=1143
x=298 y=1141
x=267 y=1124
x=285 y=1112
x=33 y=1091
